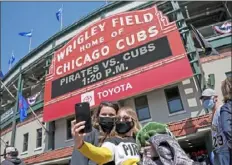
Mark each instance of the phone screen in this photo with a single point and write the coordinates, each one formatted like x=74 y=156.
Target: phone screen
x=82 y=112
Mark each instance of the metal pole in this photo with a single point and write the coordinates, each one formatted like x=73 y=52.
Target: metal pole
x=29 y=49
x=30 y=40
x=227 y=10
x=12 y=53
x=20 y=82
x=61 y=18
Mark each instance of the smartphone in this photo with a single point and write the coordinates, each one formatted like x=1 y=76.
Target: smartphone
x=82 y=113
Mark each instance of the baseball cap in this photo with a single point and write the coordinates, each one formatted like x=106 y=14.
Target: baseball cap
x=229 y=74
x=208 y=93
x=10 y=149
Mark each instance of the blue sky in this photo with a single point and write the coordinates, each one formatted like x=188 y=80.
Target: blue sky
x=40 y=16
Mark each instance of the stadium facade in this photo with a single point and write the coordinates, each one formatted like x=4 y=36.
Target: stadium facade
x=172 y=97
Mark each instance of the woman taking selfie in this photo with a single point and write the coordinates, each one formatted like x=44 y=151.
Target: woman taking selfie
x=103 y=122
x=120 y=149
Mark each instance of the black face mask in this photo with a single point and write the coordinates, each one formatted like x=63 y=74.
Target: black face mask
x=124 y=126
x=106 y=123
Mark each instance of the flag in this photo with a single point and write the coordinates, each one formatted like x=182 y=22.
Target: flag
x=23 y=106
x=59 y=14
x=11 y=60
x=225 y=28
x=26 y=34
x=29 y=35
x=203 y=43
x=1 y=75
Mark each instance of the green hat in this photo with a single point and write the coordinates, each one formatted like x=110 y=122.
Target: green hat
x=149 y=130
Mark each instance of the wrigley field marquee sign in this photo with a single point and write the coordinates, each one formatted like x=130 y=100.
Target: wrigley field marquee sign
x=115 y=58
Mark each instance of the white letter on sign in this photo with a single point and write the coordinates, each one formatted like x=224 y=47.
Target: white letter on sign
x=148 y=17
x=114 y=34
x=118 y=46
x=120 y=31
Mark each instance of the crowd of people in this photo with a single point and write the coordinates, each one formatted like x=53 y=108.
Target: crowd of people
x=117 y=138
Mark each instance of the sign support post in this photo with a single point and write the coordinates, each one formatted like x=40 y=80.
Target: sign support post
x=192 y=52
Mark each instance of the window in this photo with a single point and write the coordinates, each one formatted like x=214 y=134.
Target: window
x=173 y=100
x=39 y=138
x=142 y=109
x=25 y=142
x=69 y=129
x=51 y=137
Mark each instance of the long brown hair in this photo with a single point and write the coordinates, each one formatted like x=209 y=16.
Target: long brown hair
x=95 y=118
x=226 y=89
x=133 y=115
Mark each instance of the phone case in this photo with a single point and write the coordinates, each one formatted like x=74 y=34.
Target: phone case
x=82 y=112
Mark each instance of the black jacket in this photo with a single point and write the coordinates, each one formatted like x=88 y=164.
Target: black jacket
x=13 y=161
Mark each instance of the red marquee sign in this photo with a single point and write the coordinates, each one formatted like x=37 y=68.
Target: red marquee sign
x=113 y=59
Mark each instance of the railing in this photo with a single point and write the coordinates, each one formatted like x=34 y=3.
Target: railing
x=7 y=115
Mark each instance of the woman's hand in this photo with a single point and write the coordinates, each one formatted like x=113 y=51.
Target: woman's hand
x=78 y=137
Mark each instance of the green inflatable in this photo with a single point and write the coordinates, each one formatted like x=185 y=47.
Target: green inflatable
x=149 y=130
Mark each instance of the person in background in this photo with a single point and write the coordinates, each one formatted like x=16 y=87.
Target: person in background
x=11 y=157
x=120 y=149
x=210 y=101
x=226 y=114
x=103 y=123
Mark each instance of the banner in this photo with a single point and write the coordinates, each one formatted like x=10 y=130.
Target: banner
x=113 y=59
x=32 y=99
x=225 y=28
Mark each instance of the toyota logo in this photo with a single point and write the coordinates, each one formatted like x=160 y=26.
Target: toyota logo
x=87 y=99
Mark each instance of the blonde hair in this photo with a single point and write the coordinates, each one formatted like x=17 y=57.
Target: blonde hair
x=133 y=115
x=226 y=89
